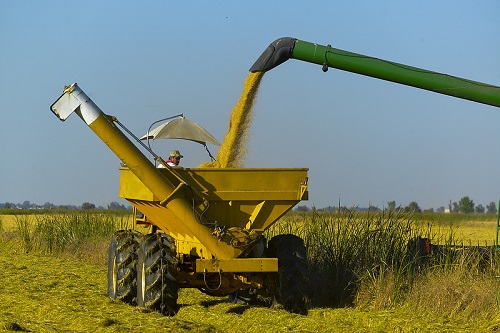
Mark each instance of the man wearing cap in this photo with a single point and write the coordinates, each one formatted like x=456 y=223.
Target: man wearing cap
x=175 y=158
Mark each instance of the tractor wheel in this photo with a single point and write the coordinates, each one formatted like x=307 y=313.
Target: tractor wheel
x=157 y=287
x=292 y=292
x=122 y=263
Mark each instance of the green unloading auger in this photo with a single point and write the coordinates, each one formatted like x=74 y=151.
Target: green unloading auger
x=286 y=48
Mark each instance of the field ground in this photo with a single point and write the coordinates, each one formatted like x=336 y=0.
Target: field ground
x=68 y=293
x=50 y=294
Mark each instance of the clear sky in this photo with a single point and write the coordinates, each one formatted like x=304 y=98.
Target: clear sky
x=366 y=141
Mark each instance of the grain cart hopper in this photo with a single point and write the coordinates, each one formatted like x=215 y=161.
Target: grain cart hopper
x=208 y=225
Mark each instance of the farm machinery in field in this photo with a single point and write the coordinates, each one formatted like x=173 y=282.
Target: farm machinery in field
x=205 y=225
x=208 y=225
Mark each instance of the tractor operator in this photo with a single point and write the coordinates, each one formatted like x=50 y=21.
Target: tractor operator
x=174 y=159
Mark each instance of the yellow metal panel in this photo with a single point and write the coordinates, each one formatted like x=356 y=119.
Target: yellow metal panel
x=246 y=265
x=255 y=195
x=254 y=215
x=132 y=188
x=248 y=180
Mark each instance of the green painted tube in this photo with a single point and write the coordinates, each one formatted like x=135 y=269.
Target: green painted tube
x=328 y=56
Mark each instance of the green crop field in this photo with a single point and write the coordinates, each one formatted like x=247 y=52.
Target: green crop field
x=54 y=279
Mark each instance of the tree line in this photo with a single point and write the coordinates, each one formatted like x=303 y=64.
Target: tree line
x=48 y=205
x=465 y=206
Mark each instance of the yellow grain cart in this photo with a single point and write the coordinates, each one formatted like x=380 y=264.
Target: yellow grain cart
x=204 y=226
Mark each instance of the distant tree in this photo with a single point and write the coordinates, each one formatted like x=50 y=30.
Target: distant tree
x=440 y=210
x=8 y=205
x=26 y=204
x=391 y=205
x=303 y=208
x=491 y=208
x=466 y=205
x=455 y=208
x=479 y=209
x=48 y=205
x=88 y=206
x=413 y=208
x=329 y=209
x=116 y=206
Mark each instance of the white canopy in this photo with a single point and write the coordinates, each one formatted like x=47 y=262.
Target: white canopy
x=181 y=128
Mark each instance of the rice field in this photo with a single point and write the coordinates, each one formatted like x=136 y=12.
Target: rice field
x=361 y=279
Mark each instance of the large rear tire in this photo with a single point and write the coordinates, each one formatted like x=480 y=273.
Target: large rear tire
x=122 y=263
x=293 y=279
x=157 y=287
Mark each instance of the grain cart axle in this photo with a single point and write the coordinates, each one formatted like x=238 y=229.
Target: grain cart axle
x=208 y=225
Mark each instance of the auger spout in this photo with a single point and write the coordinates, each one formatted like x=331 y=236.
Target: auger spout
x=289 y=48
x=276 y=53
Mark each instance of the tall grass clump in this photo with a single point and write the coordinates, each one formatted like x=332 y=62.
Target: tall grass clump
x=379 y=260
x=458 y=281
x=25 y=228
x=348 y=249
x=67 y=232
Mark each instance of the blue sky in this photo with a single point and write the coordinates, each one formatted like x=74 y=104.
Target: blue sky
x=365 y=141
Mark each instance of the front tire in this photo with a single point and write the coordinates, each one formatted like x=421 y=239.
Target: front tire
x=157 y=287
x=122 y=263
x=293 y=281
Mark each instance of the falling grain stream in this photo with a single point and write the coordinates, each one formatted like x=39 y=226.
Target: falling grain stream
x=233 y=150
